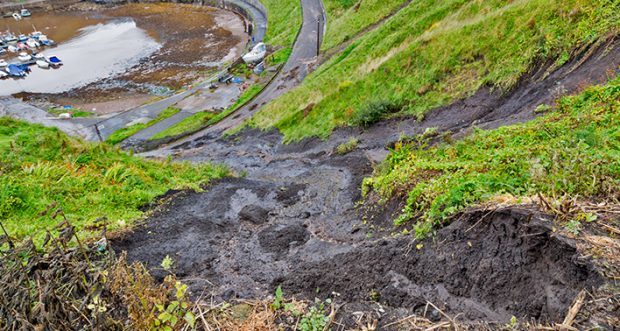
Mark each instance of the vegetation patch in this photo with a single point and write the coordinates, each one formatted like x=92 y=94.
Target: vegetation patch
x=570 y=153
x=43 y=169
x=189 y=124
x=284 y=20
x=75 y=112
x=432 y=53
x=348 y=146
x=129 y=131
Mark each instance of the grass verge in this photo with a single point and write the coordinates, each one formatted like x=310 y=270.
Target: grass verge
x=42 y=167
x=571 y=153
x=129 y=131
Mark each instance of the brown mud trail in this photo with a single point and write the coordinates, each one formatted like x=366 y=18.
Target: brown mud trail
x=293 y=220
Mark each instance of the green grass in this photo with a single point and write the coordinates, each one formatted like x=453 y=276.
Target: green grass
x=432 y=53
x=40 y=166
x=283 y=21
x=571 y=152
x=129 y=131
x=75 y=112
x=189 y=124
x=345 y=19
x=205 y=119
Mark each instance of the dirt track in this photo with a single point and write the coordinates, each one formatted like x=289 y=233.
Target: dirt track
x=293 y=220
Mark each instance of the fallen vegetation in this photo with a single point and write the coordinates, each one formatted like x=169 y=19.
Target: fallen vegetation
x=432 y=53
x=570 y=153
x=43 y=169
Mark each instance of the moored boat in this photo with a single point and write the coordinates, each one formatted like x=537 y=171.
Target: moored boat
x=24 y=57
x=54 y=61
x=15 y=71
x=13 y=49
x=32 y=43
x=43 y=64
x=25 y=13
x=256 y=54
x=3 y=74
x=3 y=64
x=17 y=16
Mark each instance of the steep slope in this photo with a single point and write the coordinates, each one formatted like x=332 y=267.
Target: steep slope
x=432 y=53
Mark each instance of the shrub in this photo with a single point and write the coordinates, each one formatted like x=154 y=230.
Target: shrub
x=372 y=113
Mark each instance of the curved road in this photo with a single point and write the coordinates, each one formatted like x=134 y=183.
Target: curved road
x=303 y=56
x=150 y=111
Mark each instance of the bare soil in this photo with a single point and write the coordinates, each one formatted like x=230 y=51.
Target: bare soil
x=293 y=220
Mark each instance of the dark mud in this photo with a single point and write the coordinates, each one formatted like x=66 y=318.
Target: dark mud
x=293 y=220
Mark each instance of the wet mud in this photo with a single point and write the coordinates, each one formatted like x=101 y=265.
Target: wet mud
x=293 y=219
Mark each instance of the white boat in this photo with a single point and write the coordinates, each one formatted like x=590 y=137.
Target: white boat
x=12 y=49
x=43 y=64
x=17 y=16
x=38 y=56
x=25 y=13
x=256 y=54
x=3 y=74
x=32 y=43
x=24 y=57
x=3 y=64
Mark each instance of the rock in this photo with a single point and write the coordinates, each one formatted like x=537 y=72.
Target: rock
x=254 y=214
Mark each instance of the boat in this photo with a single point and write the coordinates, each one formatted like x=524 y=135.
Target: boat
x=47 y=42
x=10 y=39
x=54 y=61
x=25 y=13
x=22 y=37
x=38 y=56
x=22 y=46
x=24 y=57
x=13 y=49
x=17 y=16
x=256 y=54
x=3 y=64
x=32 y=43
x=2 y=51
x=3 y=74
x=15 y=71
x=43 y=64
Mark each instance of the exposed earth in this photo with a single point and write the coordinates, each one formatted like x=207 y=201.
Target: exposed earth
x=292 y=219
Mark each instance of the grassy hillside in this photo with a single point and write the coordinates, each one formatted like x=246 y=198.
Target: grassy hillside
x=40 y=166
x=433 y=52
x=572 y=152
x=283 y=21
x=346 y=18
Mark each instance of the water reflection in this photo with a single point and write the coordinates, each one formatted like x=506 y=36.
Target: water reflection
x=98 y=52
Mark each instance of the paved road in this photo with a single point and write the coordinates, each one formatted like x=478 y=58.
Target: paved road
x=150 y=111
x=304 y=54
x=15 y=108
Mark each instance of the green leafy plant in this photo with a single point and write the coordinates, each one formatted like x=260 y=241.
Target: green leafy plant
x=316 y=318
x=169 y=315
x=348 y=146
x=372 y=113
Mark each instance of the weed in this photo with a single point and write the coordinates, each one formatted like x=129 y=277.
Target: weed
x=348 y=146
x=372 y=113
x=315 y=319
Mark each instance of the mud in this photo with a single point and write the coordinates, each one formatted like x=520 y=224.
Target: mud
x=293 y=220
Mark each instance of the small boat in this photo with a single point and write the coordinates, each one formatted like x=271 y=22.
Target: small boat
x=54 y=61
x=32 y=43
x=43 y=64
x=22 y=37
x=10 y=39
x=3 y=64
x=17 y=16
x=38 y=56
x=24 y=57
x=13 y=49
x=2 y=51
x=25 y=13
x=47 y=42
x=15 y=71
x=3 y=74
x=256 y=54
x=22 y=46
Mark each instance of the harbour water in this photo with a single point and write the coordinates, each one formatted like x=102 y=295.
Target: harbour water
x=96 y=52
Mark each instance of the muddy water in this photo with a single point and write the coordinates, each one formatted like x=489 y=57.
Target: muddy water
x=99 y=51
x=194 y=42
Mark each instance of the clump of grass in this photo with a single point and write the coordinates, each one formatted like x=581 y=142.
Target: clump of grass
x=42 y=166
x=189 y=124
x=75 y=112
x=347 y=147
x=572 y=151
x=372 y=113
x=129 y=131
